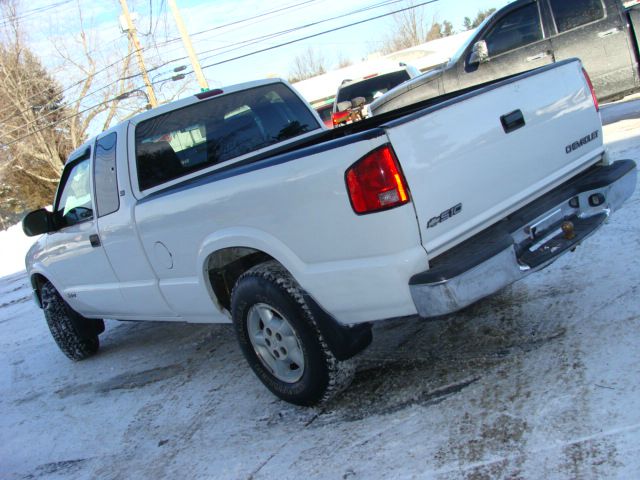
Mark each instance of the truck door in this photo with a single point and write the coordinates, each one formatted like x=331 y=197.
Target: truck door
x=598 y=36
x=516 y=42
x=118 y=235
x=75 y=259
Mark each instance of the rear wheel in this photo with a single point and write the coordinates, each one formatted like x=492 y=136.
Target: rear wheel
x=75 y=335
x=280 y=339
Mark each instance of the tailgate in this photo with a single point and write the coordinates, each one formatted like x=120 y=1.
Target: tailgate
x=471 y=161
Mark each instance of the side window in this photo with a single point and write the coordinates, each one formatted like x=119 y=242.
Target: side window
x=74 y=203
x=570 y=14
x=209 y=132
x=107 y=199
x=514 y=30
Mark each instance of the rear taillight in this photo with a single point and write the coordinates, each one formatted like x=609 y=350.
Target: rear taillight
x=375 y=182
x=339 y=117
x=593 y=92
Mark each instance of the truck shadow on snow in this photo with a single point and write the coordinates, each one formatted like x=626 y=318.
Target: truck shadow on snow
x=424 y=362
x=410 y=361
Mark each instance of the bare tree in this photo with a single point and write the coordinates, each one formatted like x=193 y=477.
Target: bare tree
x=100 y=101
x=447 y=29
x=343 y=61
x=412 y=28
x=38 y=126
x=307 y=64
x=30 y=100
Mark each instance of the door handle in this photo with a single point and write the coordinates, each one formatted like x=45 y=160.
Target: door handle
x=94 y=240
x=608 y=33
x=538 y=56
x=512 y=121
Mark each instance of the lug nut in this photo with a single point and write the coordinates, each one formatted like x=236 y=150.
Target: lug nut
x=596 y=199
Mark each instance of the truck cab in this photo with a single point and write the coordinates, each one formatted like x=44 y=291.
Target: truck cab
x=528 y=34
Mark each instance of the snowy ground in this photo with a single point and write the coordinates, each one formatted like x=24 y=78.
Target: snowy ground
x=540 y=381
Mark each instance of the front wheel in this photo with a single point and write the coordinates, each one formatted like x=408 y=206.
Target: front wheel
x=75 y=335
x=280 y=339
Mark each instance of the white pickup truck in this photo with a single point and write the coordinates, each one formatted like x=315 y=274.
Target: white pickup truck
x=237 y=205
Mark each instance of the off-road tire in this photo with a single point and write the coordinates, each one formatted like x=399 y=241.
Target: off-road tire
x=75 y=335
x=324 y=376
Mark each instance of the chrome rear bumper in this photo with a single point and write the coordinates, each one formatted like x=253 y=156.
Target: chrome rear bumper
x=527 y=241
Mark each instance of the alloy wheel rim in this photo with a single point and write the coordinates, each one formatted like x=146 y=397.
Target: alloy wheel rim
x=275 y=342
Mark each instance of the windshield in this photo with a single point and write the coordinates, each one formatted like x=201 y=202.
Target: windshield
x=472 y=38
x=372 y=87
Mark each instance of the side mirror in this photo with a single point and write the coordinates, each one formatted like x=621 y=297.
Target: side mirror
x=38 y=222
x=479 y=53
x=343 y=106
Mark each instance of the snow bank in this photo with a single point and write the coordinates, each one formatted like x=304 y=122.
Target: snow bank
x=14 y=245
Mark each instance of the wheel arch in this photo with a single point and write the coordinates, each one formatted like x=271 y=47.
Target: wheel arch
x=37 y=280
x=224 y=267
x=226 y=255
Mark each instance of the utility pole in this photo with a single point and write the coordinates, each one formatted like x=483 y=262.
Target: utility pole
x=131 y=31
x=204 y=86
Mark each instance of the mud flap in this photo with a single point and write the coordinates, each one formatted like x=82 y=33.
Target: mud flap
x=344 y=341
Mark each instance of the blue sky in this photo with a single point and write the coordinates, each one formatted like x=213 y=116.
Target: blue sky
x=58 y=26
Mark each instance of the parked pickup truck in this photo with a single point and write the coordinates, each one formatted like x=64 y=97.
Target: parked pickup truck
x=237 y=205
x=527 y=34
x=346 y=106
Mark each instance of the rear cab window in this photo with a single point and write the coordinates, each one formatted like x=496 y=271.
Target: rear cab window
x=372 y=88
x=570 y=14
x=210 y=132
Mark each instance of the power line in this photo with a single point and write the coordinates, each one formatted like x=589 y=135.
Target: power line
x=70 y=87
x=313 y=35
x=245 y=43
x=58 y=122
x=255 y=40
x=150 y=16
x=162 y=6
x=230 y=60
x=55 y=5
x=289 y=7
x=241 y=44
x=129 y=77
x=35 y=11
x=236 y=22
x=249 y=42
